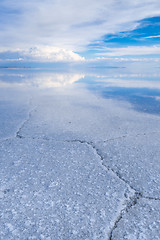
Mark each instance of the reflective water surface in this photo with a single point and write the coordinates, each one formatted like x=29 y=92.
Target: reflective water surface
x=141 y=90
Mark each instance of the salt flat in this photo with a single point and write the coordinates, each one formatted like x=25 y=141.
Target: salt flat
x=77 y=166
x=57 y=190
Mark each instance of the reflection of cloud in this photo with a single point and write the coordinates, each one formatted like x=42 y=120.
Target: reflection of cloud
x=157 y=98
x=132 y=75
x=39 y=80
x=56 y=80
x=117 y=82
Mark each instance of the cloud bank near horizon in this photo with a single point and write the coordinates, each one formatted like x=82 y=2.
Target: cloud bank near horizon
x=40 y=54
x=131 y=50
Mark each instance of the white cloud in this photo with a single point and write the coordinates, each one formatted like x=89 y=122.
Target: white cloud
x=158 y=36
x=40 y=54
x=48 y=53
x=122 y=59
x=131 y=50
x=68 y=24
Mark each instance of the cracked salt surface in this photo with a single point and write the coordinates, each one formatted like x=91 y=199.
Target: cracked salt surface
x=136 y=160
x=141 y=222
x=57 y=190
x=11 y=117
x=14 y=109
x=18 y=133
x=86 y=117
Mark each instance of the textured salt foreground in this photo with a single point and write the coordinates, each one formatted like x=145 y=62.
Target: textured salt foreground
x=57 y=190
x=75 y=166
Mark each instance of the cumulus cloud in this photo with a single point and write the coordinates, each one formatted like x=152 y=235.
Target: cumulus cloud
x=68 y=24
x=48 y=53
x=40 y=54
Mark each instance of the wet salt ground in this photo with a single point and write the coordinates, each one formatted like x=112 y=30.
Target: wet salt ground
x=75 y=165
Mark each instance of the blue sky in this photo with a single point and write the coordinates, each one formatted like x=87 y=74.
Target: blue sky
x=146 y=34
x=69 y=30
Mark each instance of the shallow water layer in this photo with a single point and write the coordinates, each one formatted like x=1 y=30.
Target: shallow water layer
x=142 y=91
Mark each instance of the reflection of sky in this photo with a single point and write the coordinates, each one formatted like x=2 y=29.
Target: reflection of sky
x=141 y=90
x=142 y=99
